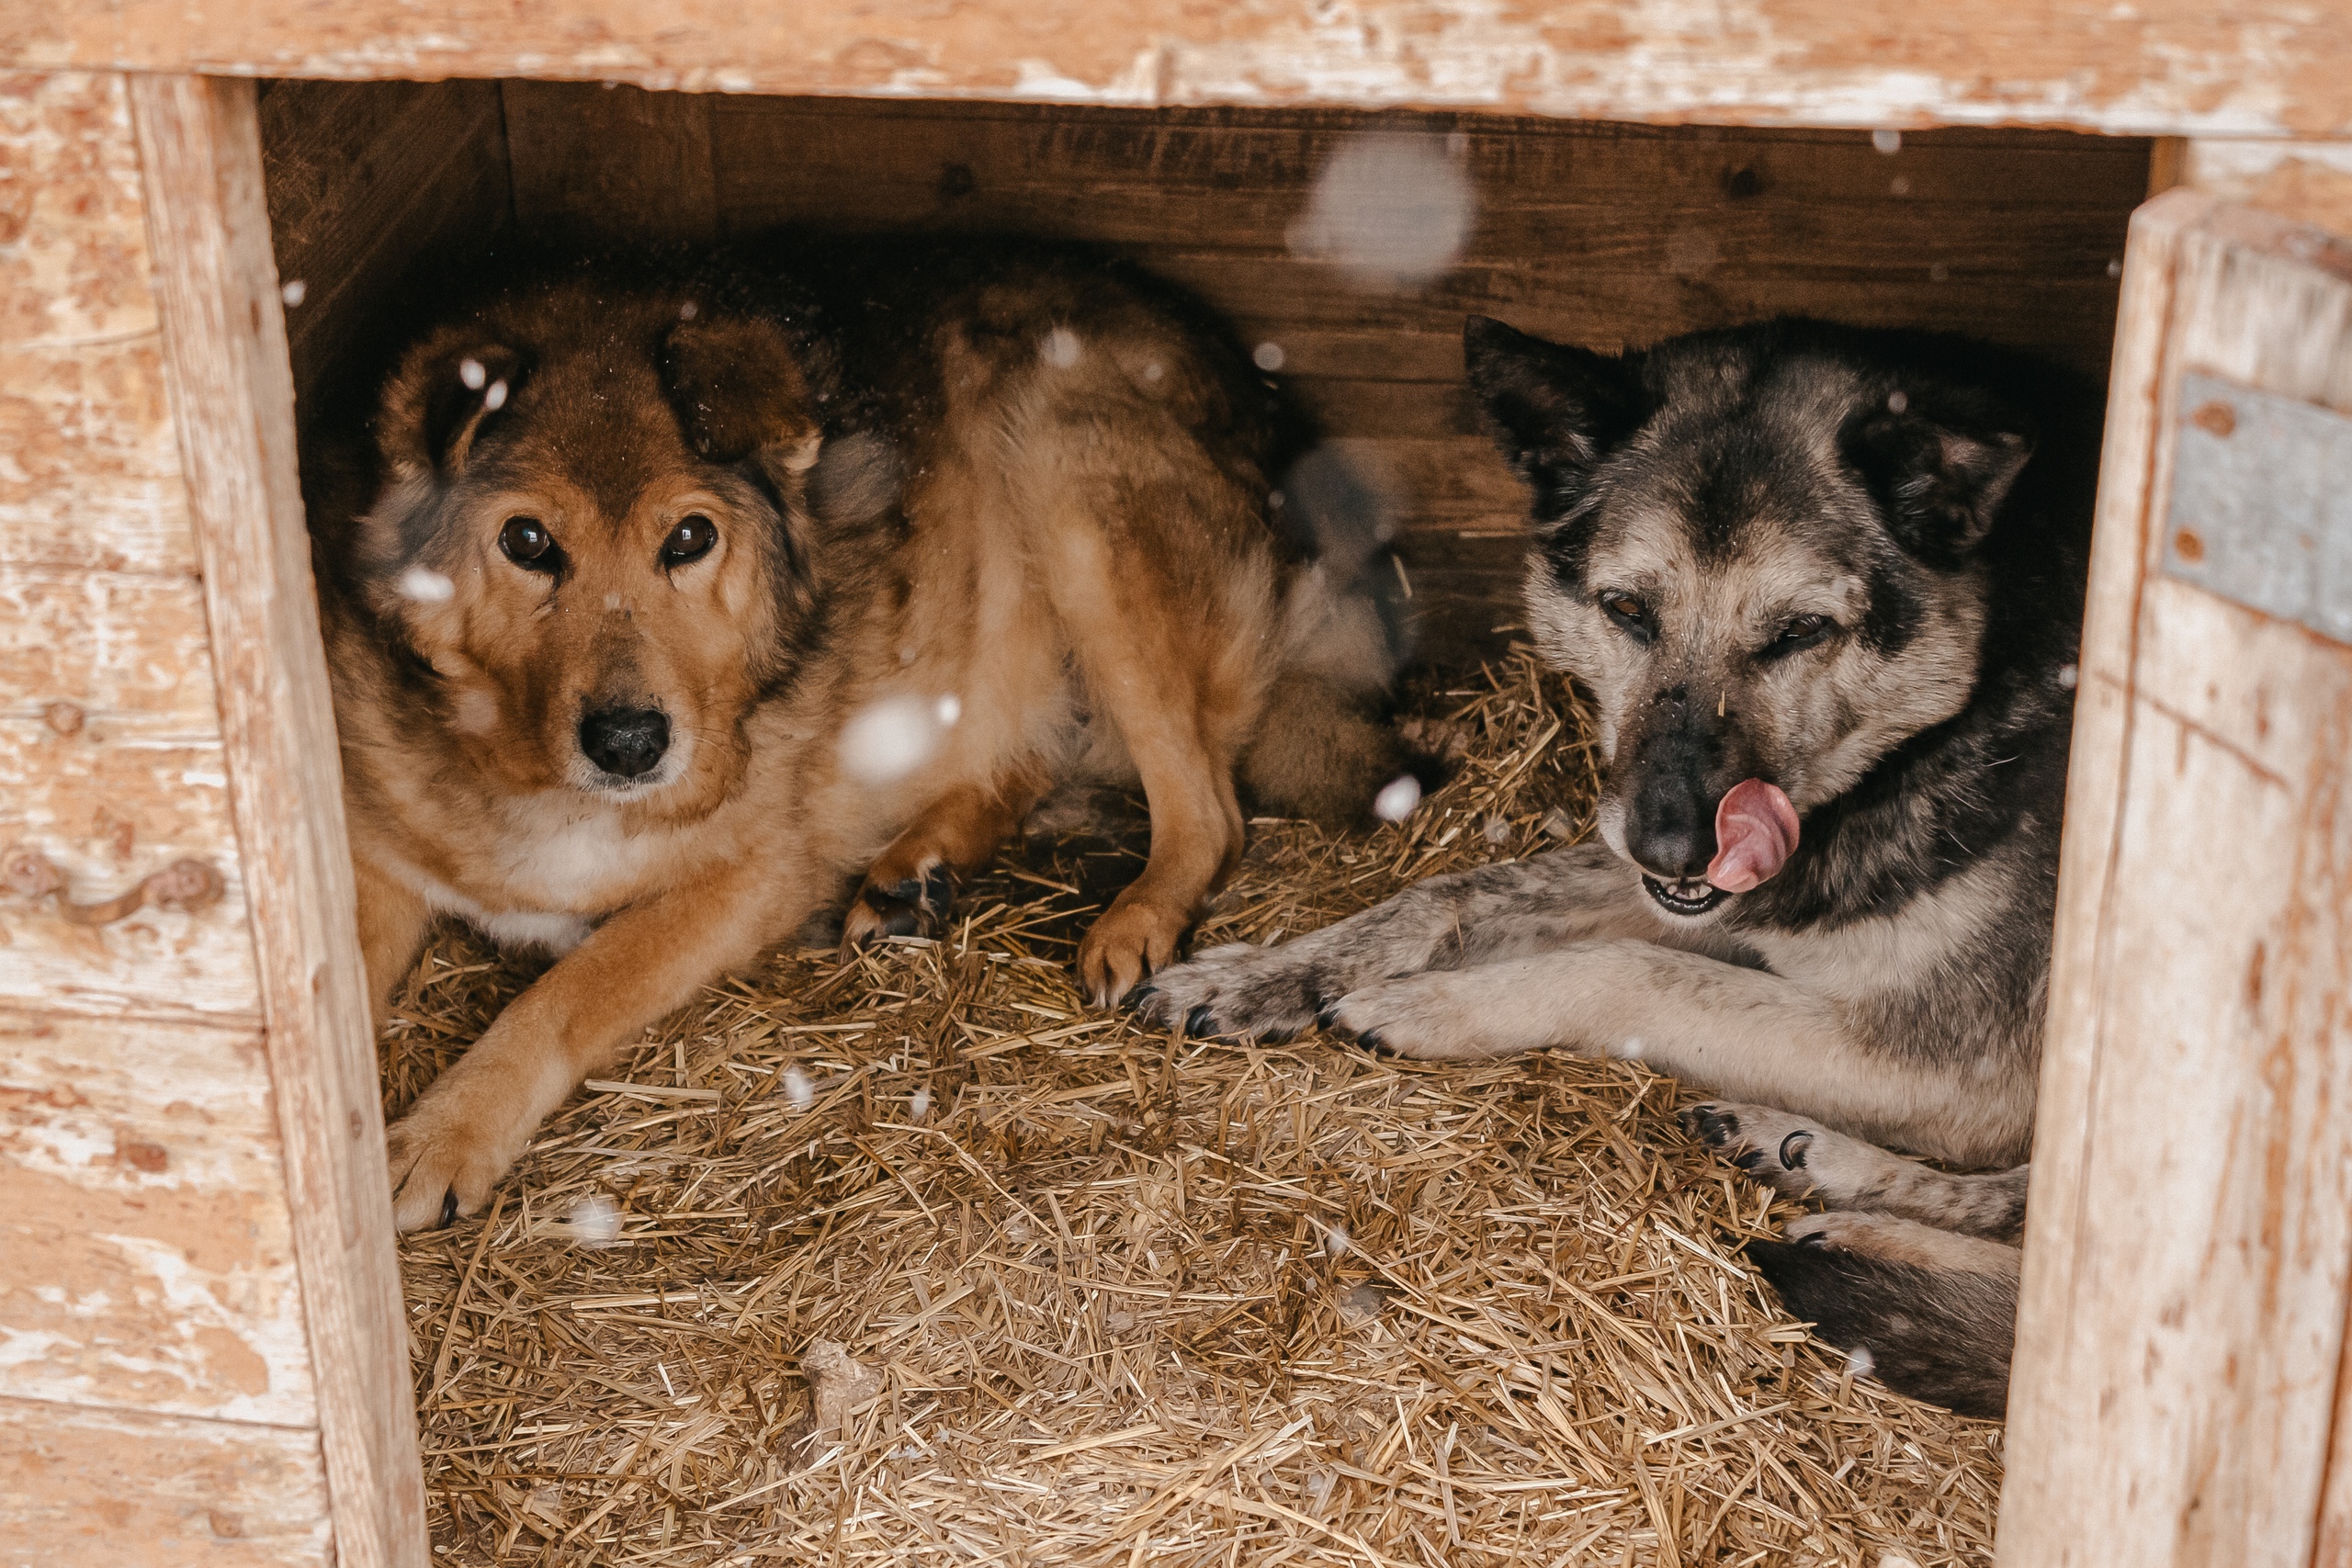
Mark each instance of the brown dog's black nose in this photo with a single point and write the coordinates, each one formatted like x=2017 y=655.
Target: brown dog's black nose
x=624 y=742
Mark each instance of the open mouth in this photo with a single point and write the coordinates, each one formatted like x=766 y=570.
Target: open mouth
x=1691 y=897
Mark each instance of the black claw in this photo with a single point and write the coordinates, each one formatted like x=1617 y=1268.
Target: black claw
x=1794 y=1157
x=1327 y=1014
x=448 y=1208
x=1715 y=1126
x=1140 y=998
x=1200 y=1022
x=1370 y=1041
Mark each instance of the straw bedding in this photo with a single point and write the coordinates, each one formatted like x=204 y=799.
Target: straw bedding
x=918 y=1259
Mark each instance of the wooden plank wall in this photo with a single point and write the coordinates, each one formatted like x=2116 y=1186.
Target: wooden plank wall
x=1605 y=235
x=157 y=1405
x=2181 y=1338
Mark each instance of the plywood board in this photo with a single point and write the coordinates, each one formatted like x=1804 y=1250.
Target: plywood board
x=146 y=1253
x=116 y=1489
x=2252 y=68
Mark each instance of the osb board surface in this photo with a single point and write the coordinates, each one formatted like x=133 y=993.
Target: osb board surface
x=2252 y=67
x=1608 y=235
x=1128 y=1299
x=110 y=766
x=145 y=1250
x=110 y=1489
x=90 y=475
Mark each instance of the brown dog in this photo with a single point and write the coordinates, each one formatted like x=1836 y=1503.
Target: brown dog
x=680 y=603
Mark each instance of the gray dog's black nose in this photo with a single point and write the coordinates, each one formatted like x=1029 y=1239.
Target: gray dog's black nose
x=624 y=742
x=1669 y=828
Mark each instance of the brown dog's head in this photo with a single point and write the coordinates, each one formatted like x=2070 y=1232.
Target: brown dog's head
x=592 y=538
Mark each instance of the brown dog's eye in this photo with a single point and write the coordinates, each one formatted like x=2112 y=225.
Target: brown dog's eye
x=690 y=540
x=528 y=543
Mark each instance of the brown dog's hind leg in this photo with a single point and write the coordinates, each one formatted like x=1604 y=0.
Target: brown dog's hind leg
x=1196 y=827
x=908 y=886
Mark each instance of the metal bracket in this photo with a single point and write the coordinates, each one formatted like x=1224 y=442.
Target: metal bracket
x=2261 y=507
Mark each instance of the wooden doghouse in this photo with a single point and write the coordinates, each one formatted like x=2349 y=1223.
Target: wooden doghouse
x=202 y=1356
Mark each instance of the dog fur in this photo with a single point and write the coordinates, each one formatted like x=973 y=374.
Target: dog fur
x=1851 y=563
x=636 y=548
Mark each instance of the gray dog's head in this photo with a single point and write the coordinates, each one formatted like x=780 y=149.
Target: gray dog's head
x=1759 y=549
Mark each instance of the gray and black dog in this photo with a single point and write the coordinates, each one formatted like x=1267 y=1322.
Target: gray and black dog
x=1825 y=585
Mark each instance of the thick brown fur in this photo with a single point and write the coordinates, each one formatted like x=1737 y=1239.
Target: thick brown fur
x=640 y=548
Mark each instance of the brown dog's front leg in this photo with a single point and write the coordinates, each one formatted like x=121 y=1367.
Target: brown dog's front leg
x=393 y=920
x=640 y=965
x=907 y=889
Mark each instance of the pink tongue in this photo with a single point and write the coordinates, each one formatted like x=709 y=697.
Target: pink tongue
x=1756 y=829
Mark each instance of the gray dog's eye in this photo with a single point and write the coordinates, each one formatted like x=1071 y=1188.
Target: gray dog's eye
x=690 y=540
x=1630 y=613
x=1802 y=630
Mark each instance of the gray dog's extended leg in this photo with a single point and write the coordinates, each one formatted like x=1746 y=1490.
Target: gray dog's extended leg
x=1742 y=1032
x=1477 y=916
x=1801 y=1159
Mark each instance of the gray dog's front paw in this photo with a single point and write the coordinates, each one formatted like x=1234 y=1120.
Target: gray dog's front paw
x=1440 y=1015
x=1237 y=992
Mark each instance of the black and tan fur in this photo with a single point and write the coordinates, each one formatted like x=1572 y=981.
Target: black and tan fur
x=1849 y=563
x=1025 y=480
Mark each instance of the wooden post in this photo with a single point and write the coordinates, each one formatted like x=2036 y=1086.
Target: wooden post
x=224 y=338
x=2183 y=1319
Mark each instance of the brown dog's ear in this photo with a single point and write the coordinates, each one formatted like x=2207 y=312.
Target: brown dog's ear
x=740 y=395
x=448 y=394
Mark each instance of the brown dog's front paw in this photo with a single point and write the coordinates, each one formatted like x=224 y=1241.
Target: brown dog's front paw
x=445 y=1157
x=912 y=905
x=1130 y=941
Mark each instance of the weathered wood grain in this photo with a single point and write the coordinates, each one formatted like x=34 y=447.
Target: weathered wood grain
x=2252 y=68
x=146 y=1253
x=110 y=766
x=233 y=391
x=2190 y=1250
x=91 y=475
x=118 y=1489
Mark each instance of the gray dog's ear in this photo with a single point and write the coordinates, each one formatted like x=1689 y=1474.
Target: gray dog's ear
x=1938 y=465
x=1555 y=411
